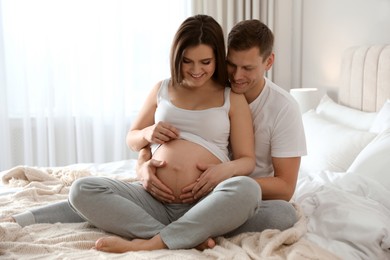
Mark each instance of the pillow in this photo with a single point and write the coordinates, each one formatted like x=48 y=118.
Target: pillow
x=374 y=161
x=382 y=121
x=331 y=146
x=347 y=116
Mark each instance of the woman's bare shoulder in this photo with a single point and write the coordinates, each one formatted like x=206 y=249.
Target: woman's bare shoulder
x=238 y=99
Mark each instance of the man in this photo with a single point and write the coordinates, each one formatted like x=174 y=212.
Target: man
x=279 y=135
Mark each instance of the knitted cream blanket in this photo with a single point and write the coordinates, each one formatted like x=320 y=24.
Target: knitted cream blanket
x=74 y=241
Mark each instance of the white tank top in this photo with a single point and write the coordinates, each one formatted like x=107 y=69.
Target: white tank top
x=209 y=128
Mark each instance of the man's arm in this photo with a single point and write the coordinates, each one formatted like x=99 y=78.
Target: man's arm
x=146 y=173
x=288 y=137
x=282 y=185
x=144 y=155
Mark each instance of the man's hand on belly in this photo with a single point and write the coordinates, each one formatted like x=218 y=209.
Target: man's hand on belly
x=152 y=184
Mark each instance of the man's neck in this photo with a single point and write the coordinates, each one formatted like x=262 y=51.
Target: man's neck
x=255 y=91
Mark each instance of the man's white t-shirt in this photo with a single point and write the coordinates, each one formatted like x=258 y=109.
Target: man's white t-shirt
x=277 y=126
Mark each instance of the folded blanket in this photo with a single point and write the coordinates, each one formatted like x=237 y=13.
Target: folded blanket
x=22 y=175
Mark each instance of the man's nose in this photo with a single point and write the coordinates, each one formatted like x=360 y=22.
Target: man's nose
x=237 y=73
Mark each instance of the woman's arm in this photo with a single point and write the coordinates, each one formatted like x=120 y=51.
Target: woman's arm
x=144 y=130
x=242 y=139
x=242 y=146
x=136 y=136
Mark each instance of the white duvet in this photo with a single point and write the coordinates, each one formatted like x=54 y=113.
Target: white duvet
x=347 y=214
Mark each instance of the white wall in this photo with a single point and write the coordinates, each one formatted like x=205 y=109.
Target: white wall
x=311 y=36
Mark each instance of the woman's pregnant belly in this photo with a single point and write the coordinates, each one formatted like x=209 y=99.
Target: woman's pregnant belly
x=181 y=157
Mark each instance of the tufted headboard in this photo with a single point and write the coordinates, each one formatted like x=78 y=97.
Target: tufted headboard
x=365 y=77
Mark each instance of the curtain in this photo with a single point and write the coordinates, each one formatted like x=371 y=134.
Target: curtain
x=73 y=74
x=229 y=12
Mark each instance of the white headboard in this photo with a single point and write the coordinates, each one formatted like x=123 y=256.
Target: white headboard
x=365 y=77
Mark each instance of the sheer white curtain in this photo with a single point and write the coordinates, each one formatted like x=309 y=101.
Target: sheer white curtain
x=229 y=12
x=73 y=73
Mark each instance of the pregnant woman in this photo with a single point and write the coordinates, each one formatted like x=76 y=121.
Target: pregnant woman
x=189 y=119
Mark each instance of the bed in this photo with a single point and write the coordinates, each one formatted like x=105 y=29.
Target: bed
x=341 y=196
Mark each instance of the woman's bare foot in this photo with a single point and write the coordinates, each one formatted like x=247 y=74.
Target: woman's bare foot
x=114 y=244
x=7 y=219
x=208 y=244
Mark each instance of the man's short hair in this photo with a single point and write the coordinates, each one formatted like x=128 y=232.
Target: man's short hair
x=251 y=33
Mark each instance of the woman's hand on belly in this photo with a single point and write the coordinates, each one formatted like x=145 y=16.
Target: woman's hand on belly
x=211 y=176
x=186 y=195
x=182 y=158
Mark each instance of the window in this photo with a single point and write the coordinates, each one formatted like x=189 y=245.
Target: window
x=83 y=55
x=75 y=72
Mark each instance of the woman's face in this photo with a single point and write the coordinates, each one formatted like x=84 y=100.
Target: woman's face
x=198 y=65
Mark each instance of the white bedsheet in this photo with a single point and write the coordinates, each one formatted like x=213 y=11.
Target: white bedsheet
x=347 y=214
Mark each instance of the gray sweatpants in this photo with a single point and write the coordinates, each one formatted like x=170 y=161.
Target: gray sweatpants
x=126 y=209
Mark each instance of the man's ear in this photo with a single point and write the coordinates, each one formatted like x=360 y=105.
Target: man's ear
x=270 y=61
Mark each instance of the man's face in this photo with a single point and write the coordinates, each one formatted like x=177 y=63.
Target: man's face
x=246 y=71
